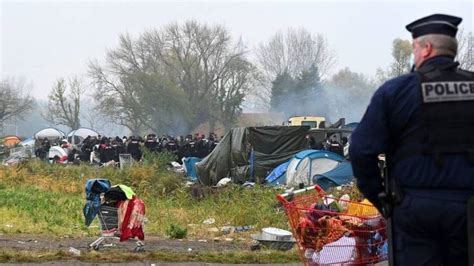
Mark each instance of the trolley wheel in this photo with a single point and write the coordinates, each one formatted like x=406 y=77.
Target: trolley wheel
x=139 y=249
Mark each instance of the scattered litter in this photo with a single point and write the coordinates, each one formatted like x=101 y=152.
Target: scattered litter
x=236 y=229
x=209 y=221
x=223 y=182
x=177 y=168
x=227 y=229
x=248 y=184
x=244 y=228
x=21 y=242
x=213 y=229
x=272 y=233
x=190 y=249
x=255 y=246
x=74 y=251
x=9 y=225
x=228 y=239
x=275 y=238
x=202 y=240
x=344 y=201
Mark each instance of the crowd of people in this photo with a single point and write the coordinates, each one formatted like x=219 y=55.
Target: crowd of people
x=107 y=150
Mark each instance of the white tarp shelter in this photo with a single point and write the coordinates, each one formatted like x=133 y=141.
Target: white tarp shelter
x=51 y=133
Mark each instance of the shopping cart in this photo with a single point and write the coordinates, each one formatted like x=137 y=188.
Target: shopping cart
x=109 y=228
x=332 y=231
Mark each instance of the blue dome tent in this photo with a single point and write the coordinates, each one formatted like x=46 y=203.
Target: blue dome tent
x=309 y=163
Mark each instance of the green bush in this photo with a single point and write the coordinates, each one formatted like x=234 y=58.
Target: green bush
x=176 y=232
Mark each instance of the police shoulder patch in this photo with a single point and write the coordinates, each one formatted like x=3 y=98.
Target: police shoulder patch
x=447 y=91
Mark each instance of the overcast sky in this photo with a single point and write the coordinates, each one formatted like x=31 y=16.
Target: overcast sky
x=41 y=41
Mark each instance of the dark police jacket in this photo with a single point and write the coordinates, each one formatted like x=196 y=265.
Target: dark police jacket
x=393 y=115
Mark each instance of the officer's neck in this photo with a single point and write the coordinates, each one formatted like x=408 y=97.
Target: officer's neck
x=436 y=59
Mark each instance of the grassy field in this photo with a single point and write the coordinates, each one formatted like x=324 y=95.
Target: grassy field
x=39 y=198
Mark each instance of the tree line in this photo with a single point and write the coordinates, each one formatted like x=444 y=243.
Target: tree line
x=174 y=78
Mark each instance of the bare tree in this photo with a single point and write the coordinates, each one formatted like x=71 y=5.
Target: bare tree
x=401 y=52
x=64 y=105
x=292 y=52
x=166 y=80
x=15 y=101
x=465 y=54
x=230 y=90
x=197 y=56
x=115 y=99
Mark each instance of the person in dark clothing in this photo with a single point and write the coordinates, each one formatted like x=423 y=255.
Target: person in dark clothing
x=171 y=146
x=117 y=149
x=86 y=149
x=134 y=149
x=151 y=144
x=335 y=146
x=105 y=150
x=412 y=120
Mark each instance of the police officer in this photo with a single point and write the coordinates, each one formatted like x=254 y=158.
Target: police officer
x=413 y=120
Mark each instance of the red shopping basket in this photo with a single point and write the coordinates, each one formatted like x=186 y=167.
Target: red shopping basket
x=328 y=234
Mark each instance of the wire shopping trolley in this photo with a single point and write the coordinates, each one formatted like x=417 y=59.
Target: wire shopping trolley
x=110 y=230
x=334 y=231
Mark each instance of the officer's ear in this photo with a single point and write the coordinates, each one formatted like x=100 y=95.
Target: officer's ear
x=427 y=49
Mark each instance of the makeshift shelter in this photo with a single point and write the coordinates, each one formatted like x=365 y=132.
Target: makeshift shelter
x=249 y=153
x=340 y=175
x=52 y=134
x=11 y=141
x=309 y=163
x=77 y=136
x=29 y=142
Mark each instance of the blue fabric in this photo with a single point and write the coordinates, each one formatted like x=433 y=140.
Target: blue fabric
x=277 y=176
x=93 y=189
x=425 y=228
x=302 y=154
x=190 y=169
x=340 y=175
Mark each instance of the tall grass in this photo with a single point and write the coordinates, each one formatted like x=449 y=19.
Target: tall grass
x=39 y=198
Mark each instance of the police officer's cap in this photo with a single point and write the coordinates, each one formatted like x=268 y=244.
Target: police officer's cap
x=434 y=24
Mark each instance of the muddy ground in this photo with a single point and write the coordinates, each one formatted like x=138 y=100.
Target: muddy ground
x=41 y=243
x=36 y=243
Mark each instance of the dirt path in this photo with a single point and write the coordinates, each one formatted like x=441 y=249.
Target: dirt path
x=41 y=243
